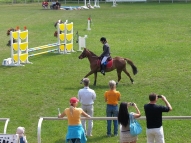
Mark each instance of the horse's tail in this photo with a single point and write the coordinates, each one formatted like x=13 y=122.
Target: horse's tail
x=134 y=68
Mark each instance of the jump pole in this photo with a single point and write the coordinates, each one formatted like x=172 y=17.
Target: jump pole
x=89 y=23
x=43 y=48
x=96 y=4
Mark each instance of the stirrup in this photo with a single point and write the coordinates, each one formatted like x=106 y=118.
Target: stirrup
x=103 y=72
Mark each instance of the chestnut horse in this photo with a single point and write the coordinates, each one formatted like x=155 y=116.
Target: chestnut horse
x=118 y=63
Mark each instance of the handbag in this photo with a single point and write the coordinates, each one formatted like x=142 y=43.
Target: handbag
x=135 y=127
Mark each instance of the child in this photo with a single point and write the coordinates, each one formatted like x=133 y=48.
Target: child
x=22 y=138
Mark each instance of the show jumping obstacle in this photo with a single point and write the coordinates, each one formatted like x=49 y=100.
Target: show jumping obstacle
x=65 y=35
x=20 y=51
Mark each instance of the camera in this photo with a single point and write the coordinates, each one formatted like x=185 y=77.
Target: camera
x=159 y=96
x=131 y=103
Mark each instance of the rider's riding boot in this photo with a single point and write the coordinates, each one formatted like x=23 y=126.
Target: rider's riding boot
x=103 y=69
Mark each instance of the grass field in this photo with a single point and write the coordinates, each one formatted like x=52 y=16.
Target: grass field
x=156 y=37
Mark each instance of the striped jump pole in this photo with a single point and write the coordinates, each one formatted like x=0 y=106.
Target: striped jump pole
x=40 y=48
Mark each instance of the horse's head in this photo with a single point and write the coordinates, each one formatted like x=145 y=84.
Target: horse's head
x=83 y=54
x=87 y=53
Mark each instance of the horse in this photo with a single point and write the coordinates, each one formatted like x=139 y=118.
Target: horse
x=117 y=63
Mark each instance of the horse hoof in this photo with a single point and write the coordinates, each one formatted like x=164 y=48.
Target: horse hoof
x=132 y=81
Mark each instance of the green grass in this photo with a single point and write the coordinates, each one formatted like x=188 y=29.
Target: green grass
x=156 y=37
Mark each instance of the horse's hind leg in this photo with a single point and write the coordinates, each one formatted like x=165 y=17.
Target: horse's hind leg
x=119 y=75
x=126 y=72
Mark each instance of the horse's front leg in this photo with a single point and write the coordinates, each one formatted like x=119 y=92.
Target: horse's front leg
x=95 y=78
x=91 y=72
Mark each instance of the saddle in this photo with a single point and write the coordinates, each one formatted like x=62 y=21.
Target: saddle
x=108 y=63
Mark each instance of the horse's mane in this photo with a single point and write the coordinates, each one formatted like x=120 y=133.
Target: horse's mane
x=92 y=53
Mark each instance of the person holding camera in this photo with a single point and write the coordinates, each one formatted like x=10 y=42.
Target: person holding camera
x=124 y=121
x=153 y=114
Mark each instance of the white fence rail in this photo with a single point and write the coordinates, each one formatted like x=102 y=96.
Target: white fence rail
x=6 y=120
x=101 y=118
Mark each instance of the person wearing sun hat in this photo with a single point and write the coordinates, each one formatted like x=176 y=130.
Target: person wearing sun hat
x=75 y=130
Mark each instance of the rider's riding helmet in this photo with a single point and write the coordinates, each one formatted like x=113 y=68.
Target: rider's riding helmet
x=103 y=39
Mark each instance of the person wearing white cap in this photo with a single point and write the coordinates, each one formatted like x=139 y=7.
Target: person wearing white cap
x=75 y=130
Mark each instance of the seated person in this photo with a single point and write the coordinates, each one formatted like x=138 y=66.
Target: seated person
x=58 y=5
x=53 y=6
x=45 y=4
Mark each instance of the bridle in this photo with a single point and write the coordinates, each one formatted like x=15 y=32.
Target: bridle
x=83 y=55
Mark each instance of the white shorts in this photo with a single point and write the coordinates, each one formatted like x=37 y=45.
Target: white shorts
x=155 y=135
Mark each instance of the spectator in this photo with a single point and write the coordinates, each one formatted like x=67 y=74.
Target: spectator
x=153 y=114
x=45 y=4
x=112 y=97
x=86 y=97
x=124 y=121
x=58 y=5
x=21 y=132
x=53 y=6
x=75 y=130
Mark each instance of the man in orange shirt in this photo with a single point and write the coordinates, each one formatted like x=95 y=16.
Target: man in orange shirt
x=112 y=97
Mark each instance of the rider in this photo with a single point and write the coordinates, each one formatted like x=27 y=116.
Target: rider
x=105 y=54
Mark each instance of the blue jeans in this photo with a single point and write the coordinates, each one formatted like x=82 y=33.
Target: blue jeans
x=112 y=111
